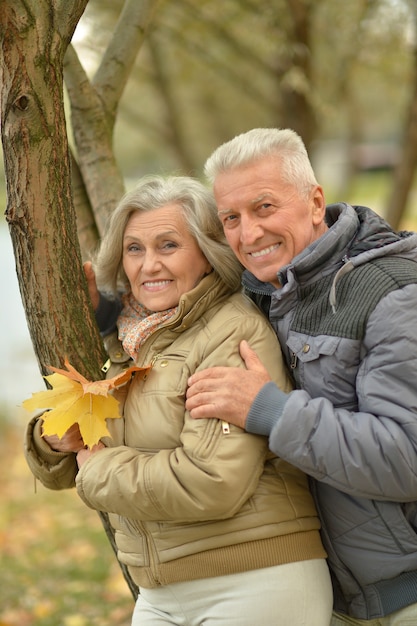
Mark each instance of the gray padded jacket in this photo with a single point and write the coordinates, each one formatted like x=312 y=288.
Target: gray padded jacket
x=346 y=319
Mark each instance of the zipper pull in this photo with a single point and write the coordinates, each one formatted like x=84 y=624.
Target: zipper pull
x=225 y=427
x=154 y=359
x=106 y=366
x=293 y=362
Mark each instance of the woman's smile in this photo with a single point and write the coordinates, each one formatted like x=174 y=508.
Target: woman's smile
x=156 y=284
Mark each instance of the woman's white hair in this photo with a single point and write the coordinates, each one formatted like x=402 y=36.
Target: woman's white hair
x=198 y=207
x=258 y=143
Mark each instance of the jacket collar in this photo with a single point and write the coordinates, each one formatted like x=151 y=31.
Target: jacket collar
x=195 y=302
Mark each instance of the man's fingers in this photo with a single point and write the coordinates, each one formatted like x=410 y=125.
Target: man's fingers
x=212 y=373
x=204 y=398
x=250 y=357
x=203 y=411
x=89 y=272
x=91 y=283
x=198 y=395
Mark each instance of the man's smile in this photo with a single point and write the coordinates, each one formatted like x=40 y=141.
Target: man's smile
x=264 y=251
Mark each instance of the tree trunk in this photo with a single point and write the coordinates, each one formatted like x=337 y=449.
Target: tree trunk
x=295 y=81
x=403 y=177
x=39 y=210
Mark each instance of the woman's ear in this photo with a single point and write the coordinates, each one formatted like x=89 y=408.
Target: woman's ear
x=209 y=269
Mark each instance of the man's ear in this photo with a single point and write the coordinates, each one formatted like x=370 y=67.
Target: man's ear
x=318 y=205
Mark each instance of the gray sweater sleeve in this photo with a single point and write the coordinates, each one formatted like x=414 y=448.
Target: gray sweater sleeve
x=266 y=410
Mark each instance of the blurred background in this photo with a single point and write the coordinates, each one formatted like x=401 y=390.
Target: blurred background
x=343 y=74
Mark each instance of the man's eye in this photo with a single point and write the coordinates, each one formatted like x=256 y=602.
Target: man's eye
x=229 y=219
x=266 y=205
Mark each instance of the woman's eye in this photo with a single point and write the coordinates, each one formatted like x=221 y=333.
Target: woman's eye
x=169 y=245
x=133 y=247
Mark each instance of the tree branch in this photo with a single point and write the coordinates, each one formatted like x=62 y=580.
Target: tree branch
x=102 y=178
x=67 y=15
x=120 y=55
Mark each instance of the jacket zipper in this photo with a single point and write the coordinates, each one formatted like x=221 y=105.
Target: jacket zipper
x=225 y=427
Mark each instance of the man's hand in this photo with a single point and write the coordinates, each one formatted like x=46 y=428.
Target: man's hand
x=227 y=393
x=71 y=441
x=92 y=285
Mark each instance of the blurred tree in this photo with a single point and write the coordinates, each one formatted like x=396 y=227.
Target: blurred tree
x=345 y=42
x=337 y=72
x=406 y=167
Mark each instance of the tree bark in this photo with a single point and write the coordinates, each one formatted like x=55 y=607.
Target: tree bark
x=295 y=77
x=39 y=208
x=403 y=177
x=39 y=211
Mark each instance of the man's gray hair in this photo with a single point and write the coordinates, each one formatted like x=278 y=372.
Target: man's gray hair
x=258 y=143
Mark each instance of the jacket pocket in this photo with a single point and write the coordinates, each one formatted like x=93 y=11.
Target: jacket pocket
x=325 y=366
x=169 y=374
x=308 y=348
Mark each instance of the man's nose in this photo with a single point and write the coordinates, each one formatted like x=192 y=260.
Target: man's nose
x=250 y=230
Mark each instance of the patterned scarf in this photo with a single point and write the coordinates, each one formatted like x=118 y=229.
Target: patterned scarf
x=136 y=324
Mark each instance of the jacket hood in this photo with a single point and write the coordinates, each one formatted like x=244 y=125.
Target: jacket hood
x=373 y=234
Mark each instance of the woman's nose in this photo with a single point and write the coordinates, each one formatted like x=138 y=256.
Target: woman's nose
x=151 y=262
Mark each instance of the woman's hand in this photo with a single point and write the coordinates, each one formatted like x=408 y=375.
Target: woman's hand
x=71 y=441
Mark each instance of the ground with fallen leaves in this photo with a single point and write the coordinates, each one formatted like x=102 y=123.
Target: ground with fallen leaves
x=57 y=567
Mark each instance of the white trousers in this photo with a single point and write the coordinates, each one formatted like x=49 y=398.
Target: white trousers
x=295 y=594
x=403 y=617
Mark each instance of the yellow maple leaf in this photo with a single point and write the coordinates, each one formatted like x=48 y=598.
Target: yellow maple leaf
x=75 y=400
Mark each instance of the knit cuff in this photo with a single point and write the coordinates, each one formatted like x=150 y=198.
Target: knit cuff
x=266 y=410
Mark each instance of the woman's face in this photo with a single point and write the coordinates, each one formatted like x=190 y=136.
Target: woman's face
x=161 y=259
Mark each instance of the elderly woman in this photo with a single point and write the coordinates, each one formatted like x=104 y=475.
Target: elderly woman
x=213 y=528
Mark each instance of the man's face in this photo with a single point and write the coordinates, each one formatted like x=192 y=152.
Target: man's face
x=265 y=220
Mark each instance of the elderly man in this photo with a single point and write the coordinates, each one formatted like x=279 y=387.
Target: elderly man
x=340 y=289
